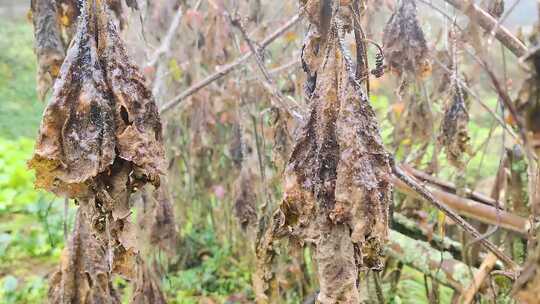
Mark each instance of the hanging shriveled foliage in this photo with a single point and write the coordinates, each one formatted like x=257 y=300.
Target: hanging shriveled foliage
x=83 y=275
x=527 y=286
x=336 y=188
x=101 y=116
x=49 y=46
x=100 y=140
x=245 y=208
x=454 y=136
x=405 y=47
x=55 y=25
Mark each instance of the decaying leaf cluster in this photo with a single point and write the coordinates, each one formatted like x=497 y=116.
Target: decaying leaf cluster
x=336 y=187
x=405 y=47
x=55 y=25
x=50 y=49
x=100 y=140
x=83 y=276
x=454 y=136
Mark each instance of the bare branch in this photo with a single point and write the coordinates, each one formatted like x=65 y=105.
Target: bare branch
x=470 y=208
x=268 y=82
x=167 y=40
x=488 y=23
x=479 y=277
x=228 y=68
x=428 y=196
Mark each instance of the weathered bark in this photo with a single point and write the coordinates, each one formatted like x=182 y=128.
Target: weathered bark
x=472 y=209
x=438 y=265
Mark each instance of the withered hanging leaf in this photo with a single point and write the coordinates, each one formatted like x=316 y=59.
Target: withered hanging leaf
x=454 y=135
x=336 y=188
x=76 y=140
x=414 y=120
x=147 y=290
x=245 y=200
x=405 y=47
x=48 y=43
x=84 y=275
x=100 y=109
x=282 y=144
x=163 y=229
x=99 y=141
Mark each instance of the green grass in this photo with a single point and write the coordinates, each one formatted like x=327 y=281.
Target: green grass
x=20 y=111
x=31 y=227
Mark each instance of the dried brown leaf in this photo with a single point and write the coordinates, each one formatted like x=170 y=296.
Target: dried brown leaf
x=336 y=188
x=245 y=208
x=84 y=275
x=163 y=228
x=48 y=43
x=100 y=140
x=454 y=135
x=100 y=111
x=405 y=47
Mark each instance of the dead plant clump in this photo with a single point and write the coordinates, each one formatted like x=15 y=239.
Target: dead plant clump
x=454 y=136
x=405 y=47
x=100 y=140
x=336 y=188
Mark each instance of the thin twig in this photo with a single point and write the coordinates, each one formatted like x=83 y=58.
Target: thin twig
x=480 y=276
x=167 y=40
x=488 y=23
x=428 y=196
x=291 y=65
x=479 y=100
x=230 y=67
x=378 y=287
x=268 y=82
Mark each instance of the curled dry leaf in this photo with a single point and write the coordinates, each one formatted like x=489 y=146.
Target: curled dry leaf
x=163 y=228
x=49 y=46
x=83 y=276
x=454 y=135
x=100 y=140
x=147 y=288
x=100 y=112
x=245 y=208
x=495 y=8
x=405 y=47
x=336 y=188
